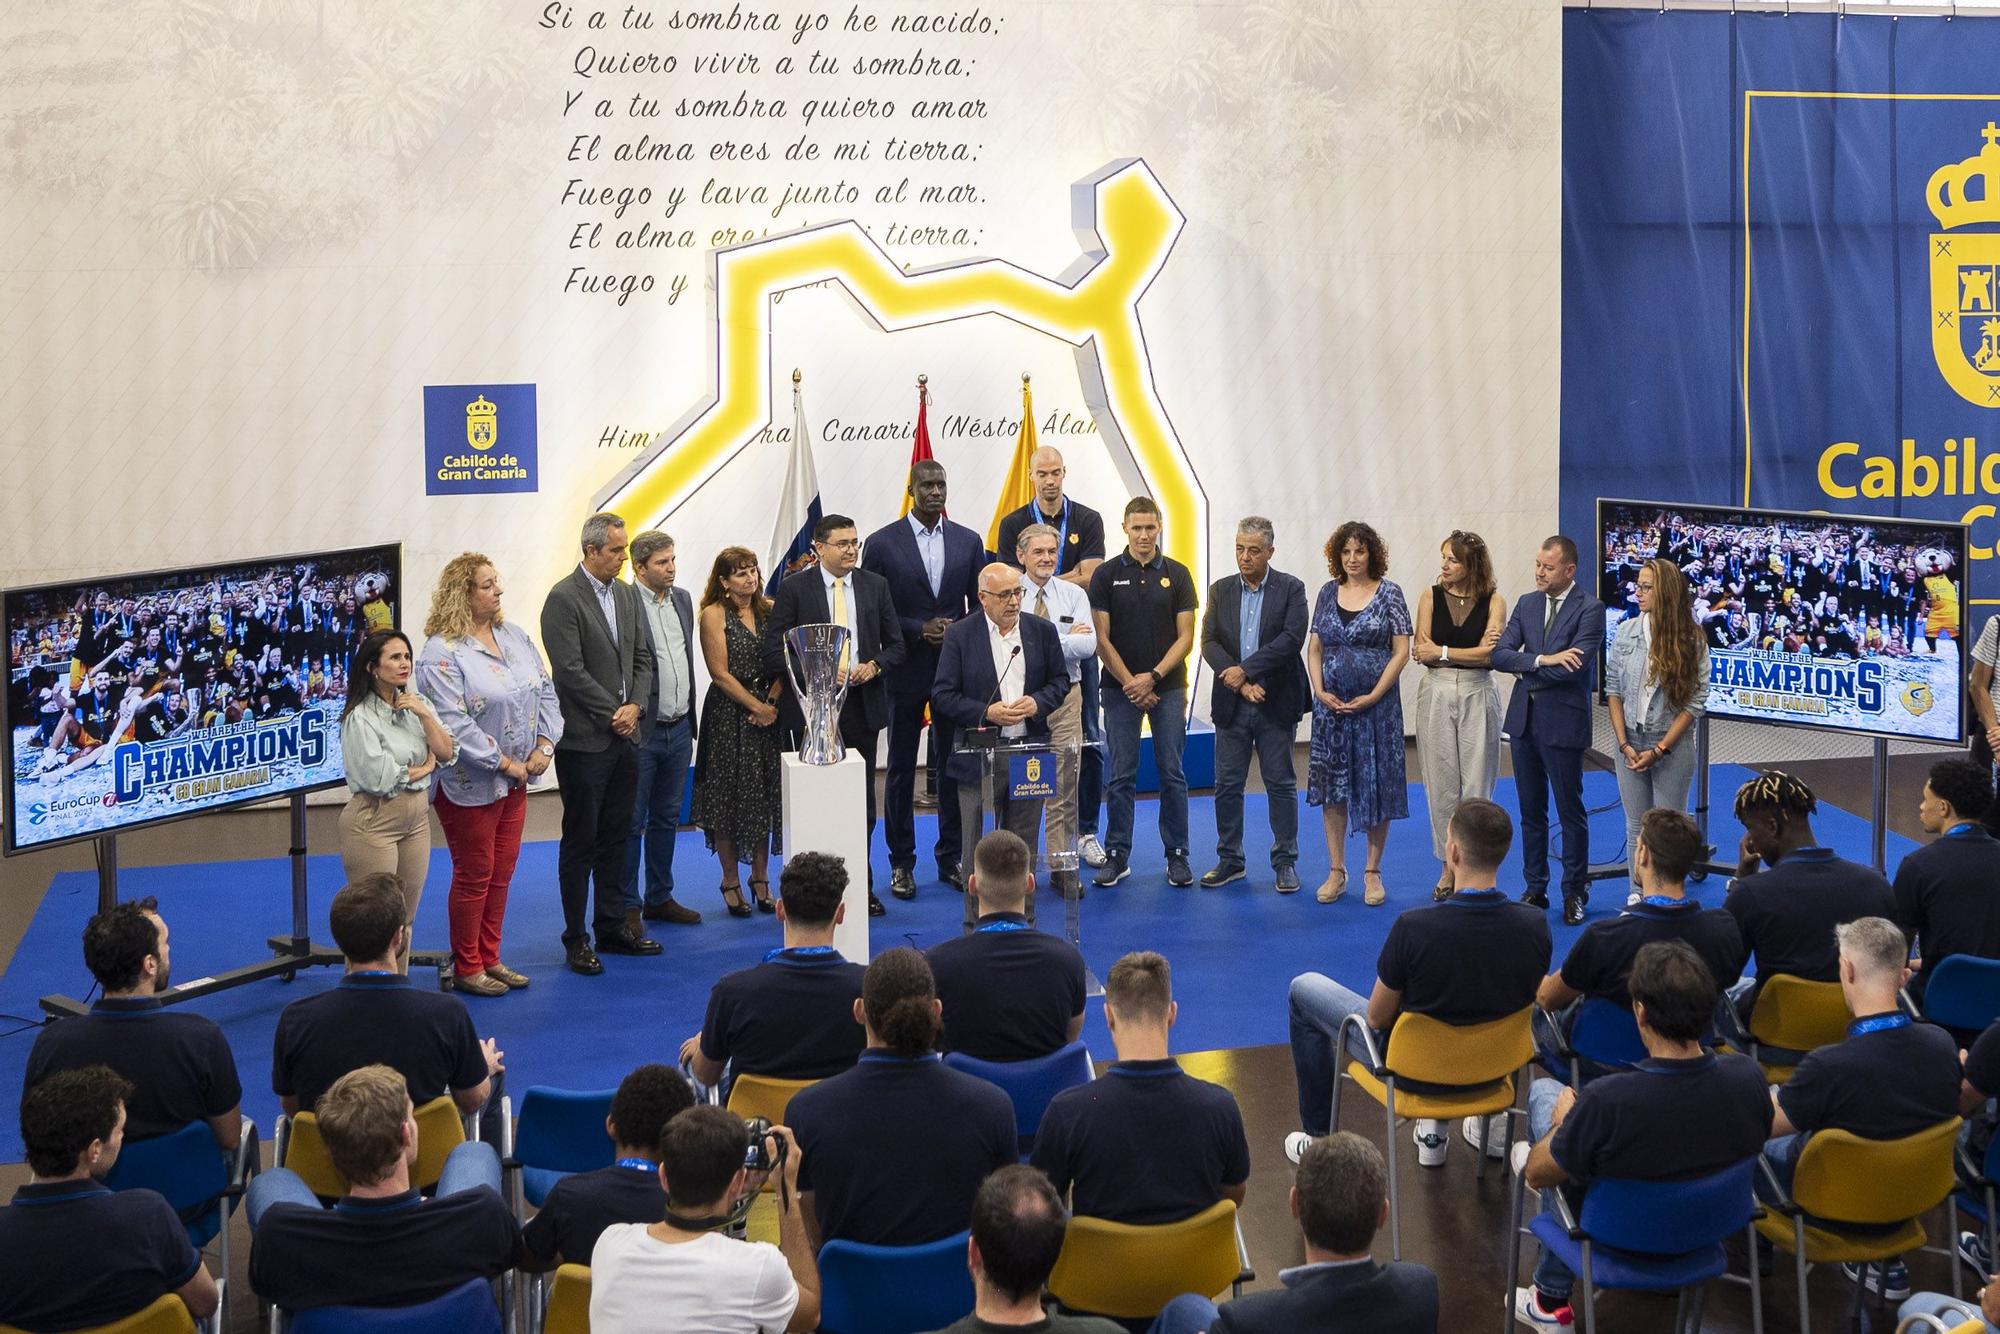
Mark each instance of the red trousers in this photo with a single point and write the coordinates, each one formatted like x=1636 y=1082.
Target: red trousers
x=485 y=841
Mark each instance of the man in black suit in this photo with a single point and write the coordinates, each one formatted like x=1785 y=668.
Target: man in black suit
x=932 y=566
x=601 y=659
x=666 y=738
x=1003 y=673
x=1251 y=637
x=837 y=591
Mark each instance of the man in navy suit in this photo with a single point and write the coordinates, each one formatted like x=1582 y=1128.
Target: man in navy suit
x=932 y=566
x=1003 y=673
x=837 y=591
x=1551 y=642
x=1251 y=637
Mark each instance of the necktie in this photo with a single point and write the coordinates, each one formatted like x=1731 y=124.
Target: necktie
x=1549 y=616
x=1042 y=603
x=840 y=618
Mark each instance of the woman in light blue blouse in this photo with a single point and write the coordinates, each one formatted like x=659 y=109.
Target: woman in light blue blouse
x=1656 y=681
x=497 y=701
x=390 y=742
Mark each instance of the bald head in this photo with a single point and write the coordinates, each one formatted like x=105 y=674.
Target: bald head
x=1000 y=594
x=1046 y=471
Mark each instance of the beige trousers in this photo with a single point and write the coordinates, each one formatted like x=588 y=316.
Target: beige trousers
x=1066 y=735
x=1458 y=741
x=388 y=834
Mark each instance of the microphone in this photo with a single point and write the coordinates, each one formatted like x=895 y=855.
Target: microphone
x=986 y=735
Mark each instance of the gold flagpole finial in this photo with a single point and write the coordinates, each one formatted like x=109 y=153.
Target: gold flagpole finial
x=796 y=377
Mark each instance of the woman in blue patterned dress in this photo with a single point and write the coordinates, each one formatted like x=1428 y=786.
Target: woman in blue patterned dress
x=1354 y=656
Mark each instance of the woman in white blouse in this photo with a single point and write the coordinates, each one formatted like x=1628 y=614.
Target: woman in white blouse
x=390 y=742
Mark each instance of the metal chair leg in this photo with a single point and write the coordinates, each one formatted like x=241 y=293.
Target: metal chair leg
x=1513 y=1249
x=1756 y=1279
x=1799 y=1264
x=1389 y=1152
x=1951 y=1247
x=1589 y=1293
x=1700 y=1307
x=1681 y=1311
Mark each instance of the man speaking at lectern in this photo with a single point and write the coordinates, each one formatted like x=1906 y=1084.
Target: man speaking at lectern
x=1000 y=674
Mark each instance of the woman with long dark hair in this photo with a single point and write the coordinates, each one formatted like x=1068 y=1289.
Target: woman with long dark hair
x=1656 y=679
x=736 y=769
x=1458 y=710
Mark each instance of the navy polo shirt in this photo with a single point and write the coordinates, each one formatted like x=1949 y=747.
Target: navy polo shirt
x=375 y=1019
x=1010 y=992
x=1948 y=899
x=1079 y=535
x=1146 y=1143
x=393 y=1251
x=1879 y=1085
x=1143 y=602
x=1787 y=912
x=578 y=1208
x=790 y=1017
x=1665 y=1121
x=1471 y=959
x=1601 y=959
x=79 y=1255
x=179 y=1063
x=1982 y=1062
x=894 y=1149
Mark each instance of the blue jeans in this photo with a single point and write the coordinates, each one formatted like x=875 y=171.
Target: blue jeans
x=656 y=812
x=1272 y=741
x=1552 y=1276
x=1952 y=1310
x=1189 y=1313
x=1121 y=728
x=1782 y=1153
x=470 y=1164
x=1318 y=1006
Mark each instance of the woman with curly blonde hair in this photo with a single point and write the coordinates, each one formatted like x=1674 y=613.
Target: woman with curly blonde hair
x=1656 y=680
x=491 y=691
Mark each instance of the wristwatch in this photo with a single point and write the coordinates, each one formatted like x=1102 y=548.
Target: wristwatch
x=546 y=749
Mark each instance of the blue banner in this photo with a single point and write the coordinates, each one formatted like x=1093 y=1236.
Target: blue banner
x=479 y=438
x=1031 y=775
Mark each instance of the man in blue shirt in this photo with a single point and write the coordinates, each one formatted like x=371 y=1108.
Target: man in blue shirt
x=1946 y=900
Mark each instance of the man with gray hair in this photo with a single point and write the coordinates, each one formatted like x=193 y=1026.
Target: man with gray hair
x=666 y=738
x=601 y=659
x=1067 y=607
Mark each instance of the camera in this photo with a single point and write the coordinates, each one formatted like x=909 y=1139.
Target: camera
x=765 y=1151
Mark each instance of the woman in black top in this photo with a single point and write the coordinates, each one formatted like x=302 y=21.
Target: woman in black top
x=1458 y=710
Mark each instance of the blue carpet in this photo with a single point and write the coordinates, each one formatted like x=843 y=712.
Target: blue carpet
x=1234 y=950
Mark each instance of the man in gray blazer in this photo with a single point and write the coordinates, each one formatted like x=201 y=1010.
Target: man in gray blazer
x=667 y=732
x=601 y=657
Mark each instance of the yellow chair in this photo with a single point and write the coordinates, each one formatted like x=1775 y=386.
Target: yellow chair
x=1129 y=1272
x=1478 y=1061
x=1864 y=1181
x=440 y=1129
x=165 y=1316
x=569 y=1302
x=763 y=1095
x=1795 y=1014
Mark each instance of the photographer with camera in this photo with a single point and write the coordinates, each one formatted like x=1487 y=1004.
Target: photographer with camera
x=685 y=1272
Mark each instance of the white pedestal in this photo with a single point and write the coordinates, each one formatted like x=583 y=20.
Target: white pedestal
x=826 y=810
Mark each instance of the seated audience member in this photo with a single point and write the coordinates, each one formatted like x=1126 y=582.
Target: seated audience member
x=1977 y=1088
x=1472 y=958
x=1147 y=1143
x=791 y=1016
x=377 y=1016
x=383 y=1244
x=1955 y=1311
x=1633 y=1125
x=77 y=1254
x=178 y=1063
x=685 y=1272
x=1010 y=993
x=1948 y=891
x=1340 y=1196
x=897 y=1146
x=1670 y=845
x=1018 y=1222
x=580 y=1206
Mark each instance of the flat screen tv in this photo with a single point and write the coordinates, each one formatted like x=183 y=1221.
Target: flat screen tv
x=141 y=698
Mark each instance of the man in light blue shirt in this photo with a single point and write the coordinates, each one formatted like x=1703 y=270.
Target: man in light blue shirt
x=667 y=729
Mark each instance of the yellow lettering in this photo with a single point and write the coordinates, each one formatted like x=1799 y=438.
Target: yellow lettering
x=1878 y=478
x=1841 y=450
x=1974 y=515
x=1917 y=466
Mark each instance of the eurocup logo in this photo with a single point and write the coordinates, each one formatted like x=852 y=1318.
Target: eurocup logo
x=1965 y=273
x=1918 y=698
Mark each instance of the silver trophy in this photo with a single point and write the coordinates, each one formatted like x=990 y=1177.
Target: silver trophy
x=813 y=654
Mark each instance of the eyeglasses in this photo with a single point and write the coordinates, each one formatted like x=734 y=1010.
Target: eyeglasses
x=848 y=544
x=1011 y=595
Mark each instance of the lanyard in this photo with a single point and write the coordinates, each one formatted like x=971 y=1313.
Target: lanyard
x=1967 y=829
x=1000 y=926
x=638 y=1164
x=1475 y=897
x=1062 y=530
x=372 y=972
x=798 y=953
x=1662 y=901
x=1880 y=1023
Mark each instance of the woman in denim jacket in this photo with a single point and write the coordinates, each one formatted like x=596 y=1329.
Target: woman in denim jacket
x=1657 y=682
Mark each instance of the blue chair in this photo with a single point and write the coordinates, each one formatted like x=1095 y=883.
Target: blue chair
x=561 y=1131
x=1030 y=1084
x=1602 y=1033
x=1963 y=992
x=1657 y=1236
x=467 y=1309
x=893 y=1289
x=201 y=1183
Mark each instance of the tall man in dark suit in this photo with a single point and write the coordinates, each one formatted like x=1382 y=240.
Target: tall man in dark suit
x=932 y=566
x=1002 y=672
x=837 y=591
x=1551 y=642
x=1251 y=636
x=601 y=659
x=666 y=737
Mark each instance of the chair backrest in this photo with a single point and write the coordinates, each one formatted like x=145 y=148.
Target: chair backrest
x=166 y=1315
x=439 y=1130
x=569 y=1302
x=563 y=1129
x=1030 y=1084
x=187 y=1167
x=1799 y=1015
x=1129 y=1272
x=467 y=1309
x=1434 y=1052
x=1848 y=1179
x=1963 y=992
x=1669 y=1217
x=893 y=1289
x=765 y=1096
x=1604 y=1032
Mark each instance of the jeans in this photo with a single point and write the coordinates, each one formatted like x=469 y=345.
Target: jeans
x=1782 y=1153
x=1121 y=727
x=1552 y=1276
x=1272 y=742
x=1189 y=1313
x=469 y=1165
x=1665 y=783
x=656 y=812
x=1953 y=1311
x=1318 y=1006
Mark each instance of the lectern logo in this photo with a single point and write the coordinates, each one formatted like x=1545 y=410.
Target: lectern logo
x=1034 y=768
x=1965 y=273
x=482 y=423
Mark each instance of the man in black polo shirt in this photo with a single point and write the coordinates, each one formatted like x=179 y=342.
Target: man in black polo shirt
x=1010 y=993
x=580 y=1206
x=1948 y=891
x=1018 y=1223
x=1684 y=1112
x=1147 y=1143
x=179 y=1064
x=1977 y=1089
x=1475 y=957
x=383 y=1244
x=77 y=1254
x=894 y=1149
x=791 y=1016
x=376 y=1017
x=1143 y=602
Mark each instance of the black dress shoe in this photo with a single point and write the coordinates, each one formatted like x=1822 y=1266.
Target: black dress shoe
x=1536 y=898
x=953 y=876
x=582 y=959
x=1573 y=906
x=875 y=908
x=621 y=941
x=902 y=883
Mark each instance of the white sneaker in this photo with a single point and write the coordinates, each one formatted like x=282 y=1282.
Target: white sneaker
x=1431 y=1143
x=1091 y=850
x=1296 y=1144
x=1486 y=1132
x=1528 y=1310
x=1521 y=1151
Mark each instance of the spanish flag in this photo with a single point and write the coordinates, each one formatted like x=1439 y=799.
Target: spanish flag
x=920 y=448
x=1017 y=488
